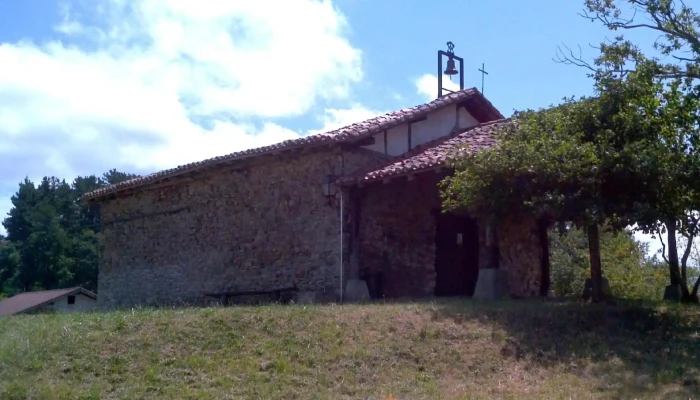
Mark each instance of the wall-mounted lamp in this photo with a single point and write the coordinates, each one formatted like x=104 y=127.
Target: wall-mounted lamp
x=329 y=188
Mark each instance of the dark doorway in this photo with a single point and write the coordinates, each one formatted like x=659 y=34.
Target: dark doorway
x=457 y=255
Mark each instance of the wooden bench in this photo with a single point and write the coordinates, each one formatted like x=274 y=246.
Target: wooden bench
x=276 y=293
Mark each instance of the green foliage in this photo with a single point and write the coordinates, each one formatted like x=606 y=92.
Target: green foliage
x=676 y=25
x=52 y=239
x=628 y=156
x=565 y=162
x=661 y=89
x=630 y=274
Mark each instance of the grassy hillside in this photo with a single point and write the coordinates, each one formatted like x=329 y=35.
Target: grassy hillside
x=445 y=350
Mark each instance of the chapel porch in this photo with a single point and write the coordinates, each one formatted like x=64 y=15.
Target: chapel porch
x=402 y=244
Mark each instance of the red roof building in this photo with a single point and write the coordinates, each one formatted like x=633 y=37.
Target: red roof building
x=337 y=216
x=71 y=299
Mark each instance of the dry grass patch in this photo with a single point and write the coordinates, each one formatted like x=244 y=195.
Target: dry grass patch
x=429 y=350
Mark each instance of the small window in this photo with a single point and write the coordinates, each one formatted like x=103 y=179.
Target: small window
x=71 y=299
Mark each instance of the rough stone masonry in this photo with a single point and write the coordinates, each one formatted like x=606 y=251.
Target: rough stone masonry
x=397 y=236
x=263 y=223
x=258 y=224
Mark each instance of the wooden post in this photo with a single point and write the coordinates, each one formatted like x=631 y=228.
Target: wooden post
x=386 y=148
x=409 y=137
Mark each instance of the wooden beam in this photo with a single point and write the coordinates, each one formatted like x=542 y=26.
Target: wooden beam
x=386 y=180
x=419 y=119
x=370 y=152
x=366 y=141
x=281 y=151
x=386 y=148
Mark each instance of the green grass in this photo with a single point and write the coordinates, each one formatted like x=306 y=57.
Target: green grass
x=430 y=350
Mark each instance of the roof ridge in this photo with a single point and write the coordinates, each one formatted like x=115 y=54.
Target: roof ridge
x=50 y=290
x=355 y=131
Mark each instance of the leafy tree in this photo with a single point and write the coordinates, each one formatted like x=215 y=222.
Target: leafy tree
x=631 y=274
x=10 y=260
x=52 y=239
x=670 y=71
x=112 y=177
x=677 y=42
x=565 y=163
x=664 y=152
x=17 y=225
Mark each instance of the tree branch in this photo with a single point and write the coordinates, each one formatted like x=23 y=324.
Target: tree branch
x=684 y=58
x=663 y=246
x=684 y=260
x=663 y=20
x=696 y=287
x=578 y=61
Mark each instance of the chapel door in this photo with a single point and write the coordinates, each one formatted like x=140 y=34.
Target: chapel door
x=457 y=255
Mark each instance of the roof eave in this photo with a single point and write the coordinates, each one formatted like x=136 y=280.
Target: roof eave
x=360 y=182
x=470 y=95
x=141 y=183
x=72 y=292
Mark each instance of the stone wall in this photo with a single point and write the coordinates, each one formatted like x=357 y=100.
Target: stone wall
x=397 y=234
x=521 y=256
x=256 y=224
x=264 y=223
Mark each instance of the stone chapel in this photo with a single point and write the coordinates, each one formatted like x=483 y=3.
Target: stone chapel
x=337 y=216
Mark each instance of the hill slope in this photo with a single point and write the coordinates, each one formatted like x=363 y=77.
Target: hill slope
x=443 y=350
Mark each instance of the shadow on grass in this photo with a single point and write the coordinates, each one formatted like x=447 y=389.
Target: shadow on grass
x=633 y=349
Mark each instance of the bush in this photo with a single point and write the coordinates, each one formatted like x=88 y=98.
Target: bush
x=630 y=272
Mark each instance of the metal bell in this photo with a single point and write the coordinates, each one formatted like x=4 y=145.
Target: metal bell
x=451 y=69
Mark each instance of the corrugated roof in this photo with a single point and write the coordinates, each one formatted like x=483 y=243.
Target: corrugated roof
x=432 y=154
x=28 y=300
x=482 y=109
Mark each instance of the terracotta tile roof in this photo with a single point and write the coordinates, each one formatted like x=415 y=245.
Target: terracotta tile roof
x=432 y=154
x=27 y=300
x=480 y=107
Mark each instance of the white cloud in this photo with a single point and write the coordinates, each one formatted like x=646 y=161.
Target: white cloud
x=427 y=85
x=151 y=84
x=334 y=118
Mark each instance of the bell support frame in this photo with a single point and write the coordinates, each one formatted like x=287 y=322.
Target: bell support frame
x=449 y=54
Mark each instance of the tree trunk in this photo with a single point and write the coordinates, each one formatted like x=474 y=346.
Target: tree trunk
x=673 y=263
x=694 y=295
x=673 y=269
x=684 y=260
x=596 y=266
x=545 y=280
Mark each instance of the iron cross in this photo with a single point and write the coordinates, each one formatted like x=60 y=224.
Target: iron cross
x=483 y=73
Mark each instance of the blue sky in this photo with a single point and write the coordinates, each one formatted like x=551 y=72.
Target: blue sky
x=140 y=86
